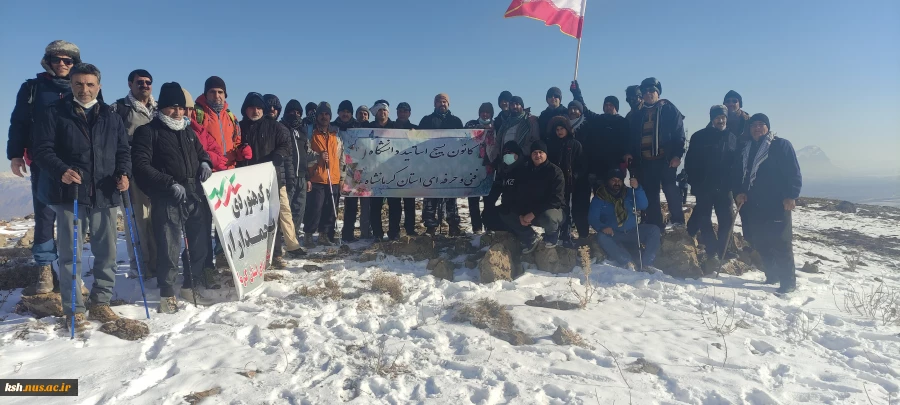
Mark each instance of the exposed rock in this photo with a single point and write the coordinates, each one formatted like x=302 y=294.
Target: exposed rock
x=735 y=267
x=678 y=255
x=27 y=239
x=542 y=302
x=3 y=240
x=846 y=207
x=312 y=267
x=567 y=337
x=513 y=337
x=29 y=216
x=556 y=260
x=811 y=267
x=42 y=305
x=441 y=268
x=126 y=329
x=269 y=276
x=371 y=254
x=416 y=247
x=284 y=324
x=497 y=264
x=641 y=365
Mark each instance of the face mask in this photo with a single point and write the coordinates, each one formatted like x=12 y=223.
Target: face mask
x=509 y=158
x=484 y=122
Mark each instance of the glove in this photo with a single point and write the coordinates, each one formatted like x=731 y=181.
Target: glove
x=574 y=87
x=244 y=152
x=205 y=171
x=178 y=191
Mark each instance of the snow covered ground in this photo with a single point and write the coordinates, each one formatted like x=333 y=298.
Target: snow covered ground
x=365 y=348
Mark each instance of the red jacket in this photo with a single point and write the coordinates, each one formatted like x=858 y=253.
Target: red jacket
x=209 y=145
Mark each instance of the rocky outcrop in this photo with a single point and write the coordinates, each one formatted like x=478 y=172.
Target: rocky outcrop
x=678 y=255
x=441 y=268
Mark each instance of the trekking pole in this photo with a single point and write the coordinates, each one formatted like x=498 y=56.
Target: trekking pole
x=728 y=239
x=75 y=252
x=637 y=225
x=333 y=203
x=188 y=273
x=135 y=243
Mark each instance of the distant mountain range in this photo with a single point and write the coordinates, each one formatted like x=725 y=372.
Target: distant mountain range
x=814 y=163
x=15 y=196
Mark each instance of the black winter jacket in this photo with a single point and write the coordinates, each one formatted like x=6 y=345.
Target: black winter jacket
x=710 y=159
x=96 y=144
x=546 y=116
x=603 y=136
x=405 y=125
x=33 y=98
x=538 y=189
x=434 y=121
x=270 y=142
x=163 y=157
x=670 y=127
x=567 y=154
x=299 y=153
x=777 y=178
x=343 y=126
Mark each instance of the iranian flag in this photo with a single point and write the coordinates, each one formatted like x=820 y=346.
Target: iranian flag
x=567 y=14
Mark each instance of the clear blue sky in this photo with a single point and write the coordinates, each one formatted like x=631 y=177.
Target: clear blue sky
x=825 y=72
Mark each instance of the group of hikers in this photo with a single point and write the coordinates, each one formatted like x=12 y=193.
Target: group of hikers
x=564 y=169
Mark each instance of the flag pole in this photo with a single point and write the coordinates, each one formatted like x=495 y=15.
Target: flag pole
x=580 y=28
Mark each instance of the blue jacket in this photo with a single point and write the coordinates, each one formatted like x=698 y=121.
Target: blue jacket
x=98 y=146
x=777 y=178
x=603 y=213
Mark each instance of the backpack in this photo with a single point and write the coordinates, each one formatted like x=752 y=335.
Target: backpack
x=122 y=109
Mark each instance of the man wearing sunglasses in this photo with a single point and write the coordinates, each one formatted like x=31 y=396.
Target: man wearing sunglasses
x=138 y=108
x=33 y=98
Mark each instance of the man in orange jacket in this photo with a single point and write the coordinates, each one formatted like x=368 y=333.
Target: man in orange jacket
x=212 y=113
x=325 y=170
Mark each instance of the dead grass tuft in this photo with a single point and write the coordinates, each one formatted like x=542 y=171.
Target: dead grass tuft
x=330 y=289
x=488 y=314
x=389 y=284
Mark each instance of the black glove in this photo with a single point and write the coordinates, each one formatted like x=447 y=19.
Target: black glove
x=205 y=171
x=178 y=192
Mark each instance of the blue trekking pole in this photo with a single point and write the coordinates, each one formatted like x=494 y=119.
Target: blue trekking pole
x=74 y=255
x=135 y=243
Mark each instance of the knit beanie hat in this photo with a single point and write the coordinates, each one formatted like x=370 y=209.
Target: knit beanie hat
x=60 y=47
x=612 y=100
x=559 y=121
x=486 y=107
x=215 y=82
x=651 y=83
x=272 y=101
x=516 y=100
x=734 y=94
x=323 y=107
x=615 y=172
x=363 y=108
x=188 y=100
x=539 y=145
x=554 y=92
x=577 y=104
x=293 y=105
x=761 y=117
x=633 y=91
x=717 y=110
x=404 y=106
x=170 y=95
x=310 y=106
x=253 y=99
x=512 y=147
x=505 y=95
x=345 y=105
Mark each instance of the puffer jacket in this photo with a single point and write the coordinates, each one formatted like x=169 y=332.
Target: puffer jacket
x=538 y=188
x=163 y=157
x=34 y=96
x=567 y=154
x=223 y=127
x=709 y=160
x=270 y=142
x=96 y=144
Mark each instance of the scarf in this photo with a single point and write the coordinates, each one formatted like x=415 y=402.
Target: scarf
x=576 y=123
x=172 y=123
x=437 y=118
x=618 y=202
x=761 y=156
x=292 y=121
x=216 y=106
x=141 y=107
x=522 y=131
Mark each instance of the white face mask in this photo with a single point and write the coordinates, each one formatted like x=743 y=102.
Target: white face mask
x=509 y=158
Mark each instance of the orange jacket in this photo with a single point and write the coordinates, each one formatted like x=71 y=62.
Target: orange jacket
x=223 y=128
x=322 y=142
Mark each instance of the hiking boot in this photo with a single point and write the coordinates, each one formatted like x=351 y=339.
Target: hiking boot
x=430 y=230
x=101 y=312
x=532 y=246
x=189 y=294
x=308 y=240
x=80 y=323
x=325 y=241
x=455 y=231
x=295 y=254
x=278 y=263
x=551 y=241
x=44 y=284
x=167 y=305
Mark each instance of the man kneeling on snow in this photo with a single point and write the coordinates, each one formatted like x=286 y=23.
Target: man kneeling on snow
x=612 y=215
x=537 y=199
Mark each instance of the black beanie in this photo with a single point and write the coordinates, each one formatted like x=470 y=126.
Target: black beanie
x=345 y=105
x=170 y=95
x=633 y=91
x=404 y=106
x=734 y=94
x=293 y=105
x=310 y=106
x=577 y=104
x=516 y=100
x=139 y=73
x=486 y=107
x=716 y=111
x=615 y=172
x=554 y=92
x=512 y=146
x=323 y=107
x=761 y=117
x=215 y=82
x=539 y=145
x=505 y=95
x=612 y=100
x=649 y=83
x=253 y=99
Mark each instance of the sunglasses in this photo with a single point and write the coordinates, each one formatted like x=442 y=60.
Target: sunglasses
x=67 y=61
x=143 y=82
x=731 y=101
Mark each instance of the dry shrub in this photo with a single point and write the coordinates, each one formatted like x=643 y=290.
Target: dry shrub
x=584 y=297
x=195 y=397
x=330 y=290
x=363 y=305
x=385 y=364
x=488 y=314
x=880 y=303
x=565 y=336
x=389 y=284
